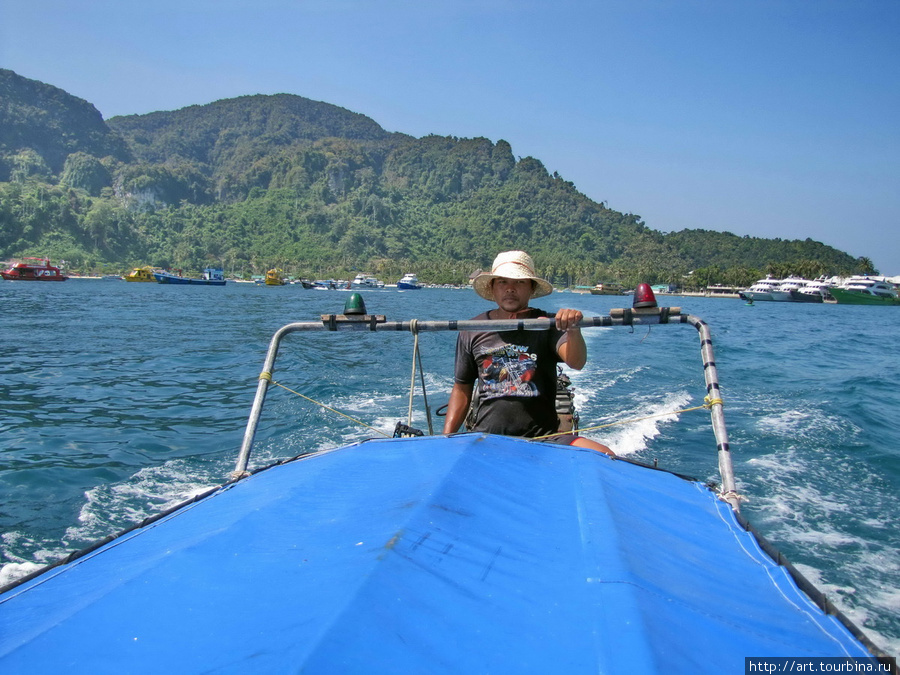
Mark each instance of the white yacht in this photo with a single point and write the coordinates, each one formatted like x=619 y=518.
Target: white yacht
x=790 y=285
x=409 y=282
x=813 y=291
x=766 y=289
x=365 y=281
x=866 y=290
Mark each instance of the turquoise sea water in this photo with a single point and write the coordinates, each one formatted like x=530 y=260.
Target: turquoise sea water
x=118 y=400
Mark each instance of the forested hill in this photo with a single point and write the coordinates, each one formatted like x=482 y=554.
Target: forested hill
x=225 y=135
x=262 y=181
x=51 y=123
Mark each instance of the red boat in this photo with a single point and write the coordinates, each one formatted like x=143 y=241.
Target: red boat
x=33 y=269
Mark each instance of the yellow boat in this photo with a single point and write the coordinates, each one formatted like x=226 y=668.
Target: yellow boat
x=607 y=289
x=141 y=274
x=274 y=278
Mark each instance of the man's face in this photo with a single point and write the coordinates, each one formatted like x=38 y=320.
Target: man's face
x=512 y=295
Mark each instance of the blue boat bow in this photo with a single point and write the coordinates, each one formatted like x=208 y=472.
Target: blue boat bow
x=443 y=554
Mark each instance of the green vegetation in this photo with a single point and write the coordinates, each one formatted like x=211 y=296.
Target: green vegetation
x=316 y=190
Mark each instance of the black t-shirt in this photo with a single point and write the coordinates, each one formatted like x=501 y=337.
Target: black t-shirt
x=516 y=371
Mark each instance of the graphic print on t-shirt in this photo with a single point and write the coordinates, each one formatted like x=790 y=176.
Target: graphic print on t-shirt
x=508 y=371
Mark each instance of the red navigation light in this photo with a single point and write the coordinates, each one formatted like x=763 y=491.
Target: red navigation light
x=643 y=297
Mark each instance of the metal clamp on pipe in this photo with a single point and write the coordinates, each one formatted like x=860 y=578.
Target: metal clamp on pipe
x=352 y=321
x=354 y=316
x=644 y=305
x=628 y=315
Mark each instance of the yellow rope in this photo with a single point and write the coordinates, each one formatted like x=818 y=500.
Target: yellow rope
x=268 y=376
x=708 y=403
x=414 y=328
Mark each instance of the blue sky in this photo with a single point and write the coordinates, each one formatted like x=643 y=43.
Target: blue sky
x=758 y=117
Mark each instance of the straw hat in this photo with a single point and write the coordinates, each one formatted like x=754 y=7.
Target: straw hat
x=511 y=265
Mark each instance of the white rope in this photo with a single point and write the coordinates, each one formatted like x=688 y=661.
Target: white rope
x=414 y=329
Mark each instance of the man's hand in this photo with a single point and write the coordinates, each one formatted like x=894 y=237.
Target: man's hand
x=567 y=319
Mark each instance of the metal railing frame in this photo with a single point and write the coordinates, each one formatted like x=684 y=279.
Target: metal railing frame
x=616 y=317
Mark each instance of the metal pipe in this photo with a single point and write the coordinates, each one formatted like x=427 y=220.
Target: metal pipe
x=717 y=413
x=240 y=469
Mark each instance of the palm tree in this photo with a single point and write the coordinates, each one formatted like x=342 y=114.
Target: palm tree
x=865 y=265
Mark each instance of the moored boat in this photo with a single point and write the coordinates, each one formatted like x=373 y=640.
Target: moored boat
x=467 y=553
x=409 y=282
x=33 y=269
x=865 y=290
x=212 y=276
x=274 y=277
x=141 y=274
x=814 y=291
x=331 y=285
x=361 y=281
x=789 y=286
x=607 y=289
x=766 y=289
x=800 y=295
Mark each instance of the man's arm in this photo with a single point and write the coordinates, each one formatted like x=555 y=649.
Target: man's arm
x=458 y=407
x=573 y=351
